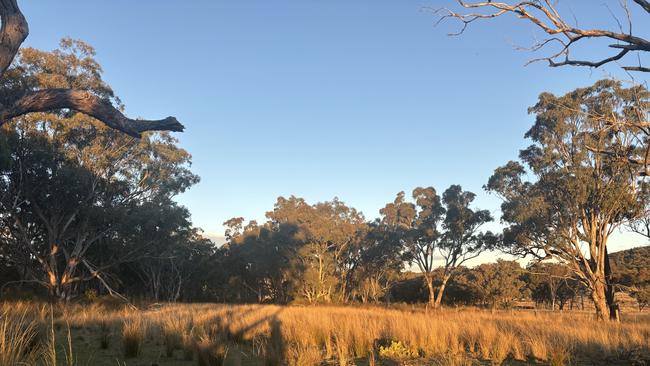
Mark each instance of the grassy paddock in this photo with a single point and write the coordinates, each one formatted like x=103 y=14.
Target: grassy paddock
x=211 y=334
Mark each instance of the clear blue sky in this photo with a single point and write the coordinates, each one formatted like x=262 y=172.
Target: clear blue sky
x=319 y=98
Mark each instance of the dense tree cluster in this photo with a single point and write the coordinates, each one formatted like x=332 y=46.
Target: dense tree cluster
x=78 y=200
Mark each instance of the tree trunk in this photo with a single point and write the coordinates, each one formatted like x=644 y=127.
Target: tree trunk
x=610 y=291
x=429 y=282
x=598 y=295
x=441 y=291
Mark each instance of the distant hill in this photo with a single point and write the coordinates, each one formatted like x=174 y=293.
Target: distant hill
x=631 y=267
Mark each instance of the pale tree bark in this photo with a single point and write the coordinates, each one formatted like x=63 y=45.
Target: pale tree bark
x=13 y=33
x=545 y=15
x=428 y=279
x=455 y=255
x=441 y=290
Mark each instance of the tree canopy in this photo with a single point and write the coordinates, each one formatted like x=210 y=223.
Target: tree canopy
x=20 y=95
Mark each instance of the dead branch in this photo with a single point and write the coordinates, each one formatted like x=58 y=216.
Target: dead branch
x=545 y=16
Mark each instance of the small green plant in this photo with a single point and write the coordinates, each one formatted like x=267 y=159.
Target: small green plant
x=90 y=295
x=398 y=351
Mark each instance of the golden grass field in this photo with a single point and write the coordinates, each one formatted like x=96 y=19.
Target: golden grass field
x=212 y=334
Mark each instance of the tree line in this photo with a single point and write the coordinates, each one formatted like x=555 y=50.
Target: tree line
x=87 y=209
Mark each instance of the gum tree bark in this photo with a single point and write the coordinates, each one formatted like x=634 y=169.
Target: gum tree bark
x=13 y=33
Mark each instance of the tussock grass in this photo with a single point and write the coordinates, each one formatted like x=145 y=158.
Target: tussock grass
x=173 y=329
x=274 y=335
x=19 y=339
x=210 y=351
x=133 y=334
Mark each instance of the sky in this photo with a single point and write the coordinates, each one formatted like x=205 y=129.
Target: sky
x=324 y=98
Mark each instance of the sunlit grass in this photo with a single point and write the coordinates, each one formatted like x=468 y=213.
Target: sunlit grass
x=210 y=334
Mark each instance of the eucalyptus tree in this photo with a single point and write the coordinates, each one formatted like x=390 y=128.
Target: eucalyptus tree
x=159 y=246
x=498 y=284
x=379 y=263
x=418 y=225
x=326 y=239
x=447 y=226
x=21 y=99
x=259 y=256
x=70 y=179
x=461 y=239
x=567 y=196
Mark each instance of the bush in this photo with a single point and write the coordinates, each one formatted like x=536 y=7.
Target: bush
x=398 y=351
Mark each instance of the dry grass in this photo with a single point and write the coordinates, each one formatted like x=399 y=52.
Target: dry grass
x=19 y=339
x=302 y=336
x=133 y=333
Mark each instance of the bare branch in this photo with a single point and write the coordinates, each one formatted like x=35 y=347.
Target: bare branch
x=587 y=63
x=546 y=17
x=87 y=103
x=636 y=68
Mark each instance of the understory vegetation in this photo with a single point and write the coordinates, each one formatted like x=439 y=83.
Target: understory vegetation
x=209 y=334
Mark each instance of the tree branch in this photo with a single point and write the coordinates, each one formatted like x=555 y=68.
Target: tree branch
x=87 y=103
x=636 y=68
x=13 y=32
x=587 y=63
x=644 y=4
x=545 y=16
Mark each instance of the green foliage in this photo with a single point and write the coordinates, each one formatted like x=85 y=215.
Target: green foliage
x=582 y=184
x=397 y=350
x=448 y=226
x=498 y=284
x=631 y=267
x=80 y=198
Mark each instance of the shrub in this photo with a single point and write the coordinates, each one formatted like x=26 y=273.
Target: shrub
x=398 y=351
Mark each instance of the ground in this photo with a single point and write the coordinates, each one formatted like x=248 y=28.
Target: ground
x=200 y=334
